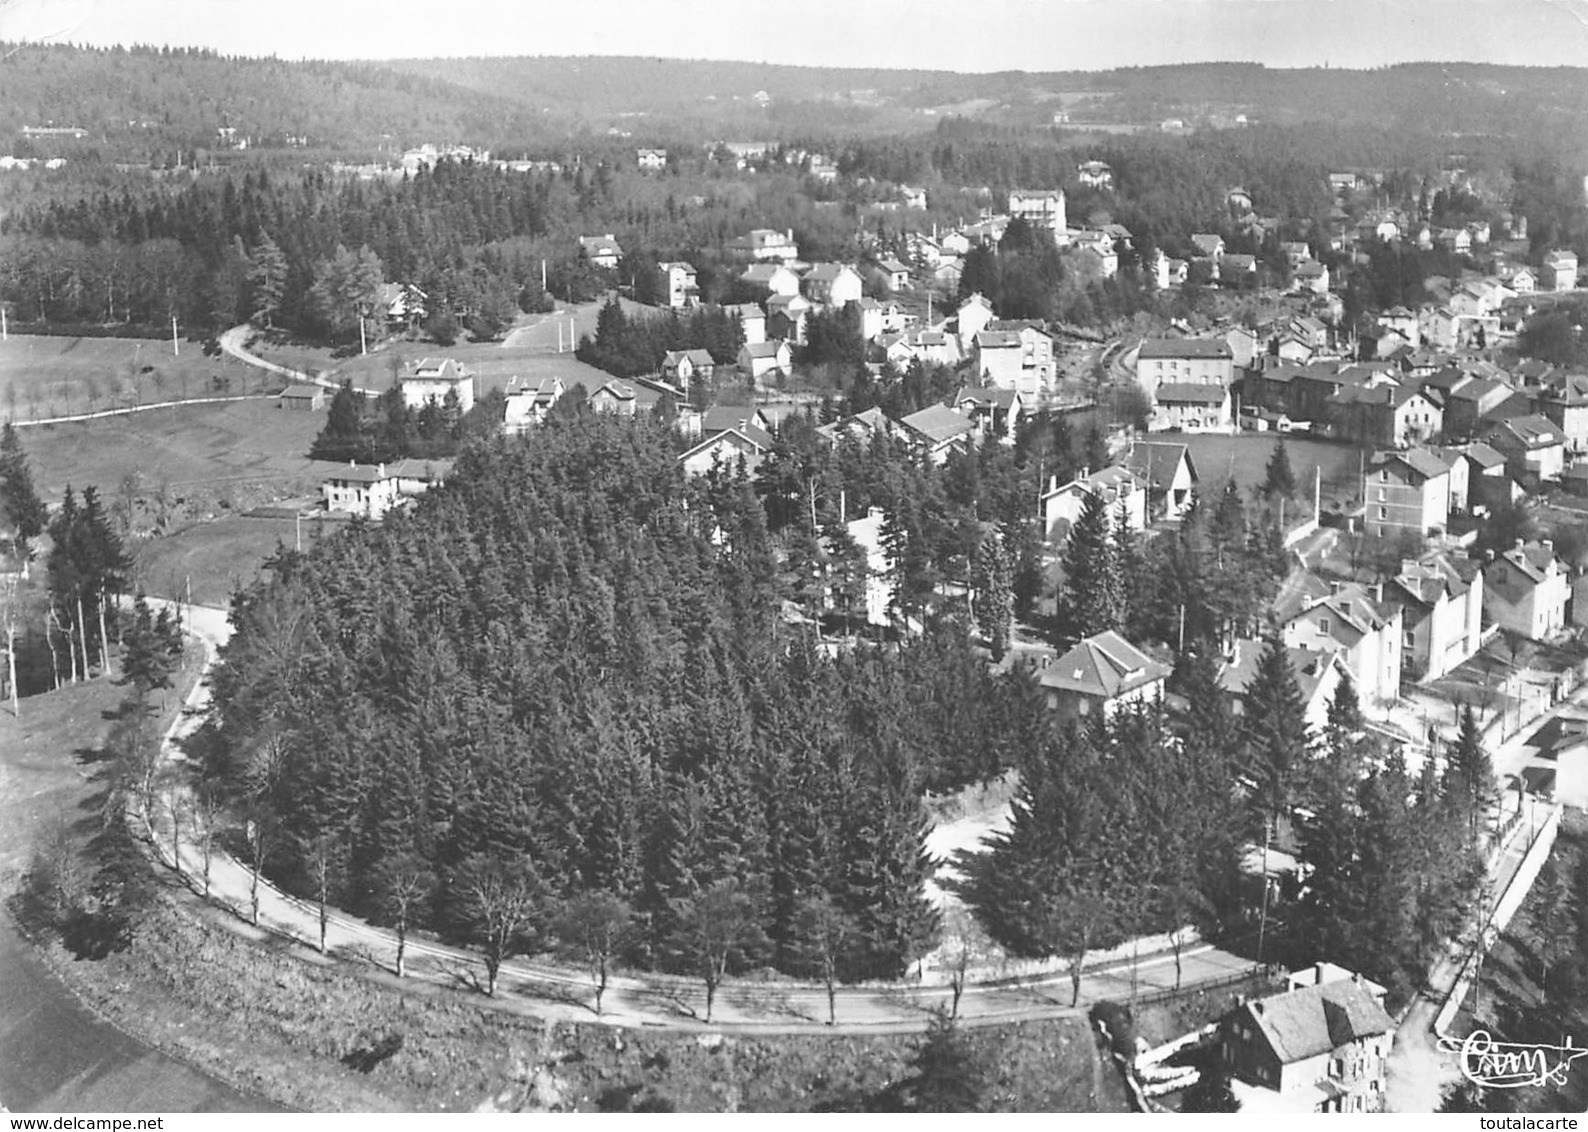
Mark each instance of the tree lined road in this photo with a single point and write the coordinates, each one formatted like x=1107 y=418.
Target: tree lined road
x=762 y=1006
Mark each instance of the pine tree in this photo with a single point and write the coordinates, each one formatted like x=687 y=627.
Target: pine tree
x=267 y=275
x=1276 y=742
x=342 y=438
x=1094 y=593
x=20 y=506
x=1472 y=770
x=1278 y=478
x=948 y=1077
x=994 y=597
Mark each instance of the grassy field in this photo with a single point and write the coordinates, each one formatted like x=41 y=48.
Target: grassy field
x=217 y=557
x=44 y=376
x=243 y=448
x=1245 y=458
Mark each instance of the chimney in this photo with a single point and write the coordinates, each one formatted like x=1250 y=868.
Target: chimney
x=1378 y=591
x=1519 y=544
x=1317 y=971
x=1053 y=483
x=380 y=470
x=1548 y=544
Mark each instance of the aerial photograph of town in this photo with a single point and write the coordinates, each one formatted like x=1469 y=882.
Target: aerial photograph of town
x=880 y=557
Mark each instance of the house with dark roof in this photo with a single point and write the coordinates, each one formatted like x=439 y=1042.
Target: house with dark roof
x=995 y=411
x=1441 y=605
x=1533 y=446
x=763 y=360
x=432 y=379
x=1100 y=675
x=833 y=285
x=771 y=279
x=1318 y=1048
x=527 y=403
x=625 y=398
x=1383 y=413
x=1122 y=491
x=747 y=419
x=729 y=450
x=1169 y=473
x=1406 y=493
x=1356 y=622
x=601 y=251
x=1317 y=676
x=1526 y=590
x=302 y=397
x=860 y=427
x=936 y=431
x=1565 y=402
x=1189 y=406
x=684 y=367
x=679 y=283
x=752 y=320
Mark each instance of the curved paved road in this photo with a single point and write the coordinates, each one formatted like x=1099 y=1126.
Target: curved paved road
x=654 y=1000
x=55 y=1054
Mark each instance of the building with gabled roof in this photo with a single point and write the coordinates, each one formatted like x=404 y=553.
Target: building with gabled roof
x=765 y=244
x=833 y=285
x=1101 y=675
x=1043 y=209
x=1560 y=271
x=1406 y=492
x=1356 y=622
x=1533 y=445
x=1169 y=473
x=432 y=379
x=683 y=367
x=1441 y=613
x=762 y=360
x=679 y=283
x=1318 y=1048
x=729 y=450
x=1122 y=491
x=1526 y=589
x=995 y=411
x=526 y=403
x=601 y=251
x=937 y=430
x=1317 y=676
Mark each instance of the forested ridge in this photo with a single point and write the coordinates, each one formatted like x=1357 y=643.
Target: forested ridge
x=571 y=660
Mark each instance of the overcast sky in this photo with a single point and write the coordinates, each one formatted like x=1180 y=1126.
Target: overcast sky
x=964 y=35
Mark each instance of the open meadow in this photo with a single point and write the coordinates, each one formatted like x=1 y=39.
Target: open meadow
x=218 y=557
x=1245 y=459
x=239 y=452
x=43 y=376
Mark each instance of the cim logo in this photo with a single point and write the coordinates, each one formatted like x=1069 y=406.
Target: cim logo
x=1506 y=1065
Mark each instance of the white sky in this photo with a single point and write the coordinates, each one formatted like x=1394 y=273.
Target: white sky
x=965 y=35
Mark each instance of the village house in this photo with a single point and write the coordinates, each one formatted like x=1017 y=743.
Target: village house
x=679 y=284
x=1016 y=355
x=771 y=279
x=1312 y=279
x=911 y=196
x=601 y=251
x=833 y=285
x=1238 y=270
x=752 y=320
x=1317 y=1048
x=1095 y=175
x=1523 y=281
x=1468 y=399
x=1533 y=446
x=1042 y=209
x=403 y=303
x=1180 y=406
x=995 y=411
x=1383 y=413
x=787 y=316
x=433 y=379
x=527 y=404
x=626 y=398
x=860 y=427
x=730 y=451
x=373 y=491
x=1203 y=361
x=685 y=367
x=1121 y=490
x=1460 y=472
x=1208 y=245
x=651 y=160
x=1317 y=676
x=764 y=245
x=1560 y=271
x=766 y=360
x=302 y=397
x=1101 y=675
x=1441 y=614
x=1170 y=476
x=898 y=274
x=1526 y=590
x=936 y=431
x=1565 y=403
x=1406 y=493
x=1355 y=621
x=881 y=585
x=975 y=315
